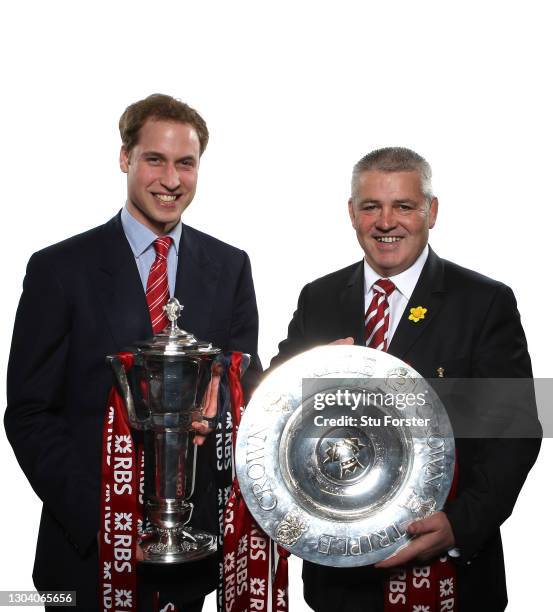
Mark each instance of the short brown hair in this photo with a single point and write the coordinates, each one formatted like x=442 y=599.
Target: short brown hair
x=159 y=107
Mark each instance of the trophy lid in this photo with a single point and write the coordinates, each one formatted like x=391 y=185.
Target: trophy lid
x=173 y=340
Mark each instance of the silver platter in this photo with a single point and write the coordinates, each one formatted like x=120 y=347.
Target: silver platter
x=337 y=485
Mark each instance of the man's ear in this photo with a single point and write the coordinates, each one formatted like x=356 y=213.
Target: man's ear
x=351 y=212
x=433 y=213
x=124 y=159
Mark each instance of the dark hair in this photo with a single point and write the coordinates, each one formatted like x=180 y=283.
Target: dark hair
x=159 y=107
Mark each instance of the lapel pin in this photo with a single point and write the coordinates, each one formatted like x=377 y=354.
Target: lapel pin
x=417 y=313
x=441 y=372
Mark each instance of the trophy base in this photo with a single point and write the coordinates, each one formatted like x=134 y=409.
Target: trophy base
x=177 y=545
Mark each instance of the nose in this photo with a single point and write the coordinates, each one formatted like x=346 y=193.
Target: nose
x=170 y=179
x=386 y=219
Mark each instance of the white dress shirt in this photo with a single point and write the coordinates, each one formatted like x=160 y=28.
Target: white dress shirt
x=405 y=285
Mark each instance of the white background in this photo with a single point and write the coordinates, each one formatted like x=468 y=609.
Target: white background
x=294 y=94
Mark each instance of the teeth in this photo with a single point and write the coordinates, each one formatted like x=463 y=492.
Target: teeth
x=388 y=238
x=166 y=198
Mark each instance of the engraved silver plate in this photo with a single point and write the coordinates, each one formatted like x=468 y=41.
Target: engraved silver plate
x=338 y=485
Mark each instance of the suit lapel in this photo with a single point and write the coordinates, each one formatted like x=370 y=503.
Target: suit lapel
x=429 y=293
x=119 y=287
x=352 y=306
x=196 y=283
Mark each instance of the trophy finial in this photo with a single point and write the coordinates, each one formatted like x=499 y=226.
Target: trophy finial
x=173 y=311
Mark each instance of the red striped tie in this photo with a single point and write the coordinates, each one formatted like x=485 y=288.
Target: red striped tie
x=157 y=288
x=377 y=318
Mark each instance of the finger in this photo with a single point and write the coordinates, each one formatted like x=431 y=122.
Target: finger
x=198 y=440
x=201 y=427
x=210 y=408
x=348 y=340
x=403 y=556
x=419 y=527
x=436 y=523
x=207 y=399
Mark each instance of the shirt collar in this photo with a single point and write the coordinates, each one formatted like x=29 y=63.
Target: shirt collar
x=405 y=281
x=141 y=238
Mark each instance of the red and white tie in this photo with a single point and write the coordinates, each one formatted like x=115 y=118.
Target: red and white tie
x=377 y=318
x=157 y=288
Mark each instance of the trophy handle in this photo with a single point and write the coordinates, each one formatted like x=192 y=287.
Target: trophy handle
x=246 y=360
x=191 y=471
x=124 y=389
x=219 y=362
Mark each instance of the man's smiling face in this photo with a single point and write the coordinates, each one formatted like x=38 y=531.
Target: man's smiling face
x=162 y=172
x=391 y=217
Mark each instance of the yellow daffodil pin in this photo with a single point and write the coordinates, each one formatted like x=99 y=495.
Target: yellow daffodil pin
x=417 y=313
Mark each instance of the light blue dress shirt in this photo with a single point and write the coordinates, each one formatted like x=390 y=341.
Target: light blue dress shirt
x=141 y=240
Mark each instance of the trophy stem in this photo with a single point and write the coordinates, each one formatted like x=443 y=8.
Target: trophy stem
x=171 y=459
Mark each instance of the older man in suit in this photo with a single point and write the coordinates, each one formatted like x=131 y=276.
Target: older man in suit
x=443 y=320
x=95 y=294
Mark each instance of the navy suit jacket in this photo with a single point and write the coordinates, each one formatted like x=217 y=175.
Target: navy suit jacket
x=82 y=300
x=472 y=330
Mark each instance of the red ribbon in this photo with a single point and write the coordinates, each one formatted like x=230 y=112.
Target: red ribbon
x=280 y=582
x=246 y=548
x=122 y=507
x=119 y=509
x=424 y=588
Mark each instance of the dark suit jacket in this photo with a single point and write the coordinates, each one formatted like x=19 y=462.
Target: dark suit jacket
x=472 y=330
x=82 y=300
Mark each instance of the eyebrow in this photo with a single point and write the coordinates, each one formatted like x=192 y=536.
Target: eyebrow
x=161 y=156
x=146 y=153
x=399 y=201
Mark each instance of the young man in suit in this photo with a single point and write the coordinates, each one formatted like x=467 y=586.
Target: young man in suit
x=470 y=329
x=90 y=296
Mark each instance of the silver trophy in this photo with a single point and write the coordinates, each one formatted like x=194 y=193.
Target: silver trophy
x=163 y=393
x=334 y=460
